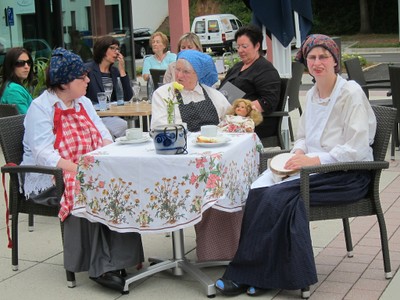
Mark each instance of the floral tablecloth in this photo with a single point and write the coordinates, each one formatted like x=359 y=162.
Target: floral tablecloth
x=130 y=188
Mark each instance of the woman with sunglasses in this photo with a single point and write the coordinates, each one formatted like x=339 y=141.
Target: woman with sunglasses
x=17 y=70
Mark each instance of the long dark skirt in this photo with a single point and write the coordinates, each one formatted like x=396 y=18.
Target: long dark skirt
x=275 y=250
x=93 y=247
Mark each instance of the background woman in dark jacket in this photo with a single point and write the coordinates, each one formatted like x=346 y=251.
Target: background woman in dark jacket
x=101 y=70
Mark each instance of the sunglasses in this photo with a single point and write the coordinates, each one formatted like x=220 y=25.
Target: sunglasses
x=21 y=63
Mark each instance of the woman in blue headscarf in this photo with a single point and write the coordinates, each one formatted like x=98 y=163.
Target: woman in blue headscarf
x=197 y=103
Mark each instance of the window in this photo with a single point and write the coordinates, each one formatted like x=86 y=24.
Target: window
x=200 y=27
x=234 y=25
x=213 y=26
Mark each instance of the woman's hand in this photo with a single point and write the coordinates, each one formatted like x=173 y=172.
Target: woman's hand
x=121 y=64
x=300 y=160
x=256 y=105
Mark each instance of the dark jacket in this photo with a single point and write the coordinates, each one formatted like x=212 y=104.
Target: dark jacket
x=96 y=84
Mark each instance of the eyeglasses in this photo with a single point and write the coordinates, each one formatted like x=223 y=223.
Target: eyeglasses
x=183 y=71
x=114 y=48
x=21 y=63
x=321 y=58
x=244 y=46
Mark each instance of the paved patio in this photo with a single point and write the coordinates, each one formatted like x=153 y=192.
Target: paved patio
x=41 y=274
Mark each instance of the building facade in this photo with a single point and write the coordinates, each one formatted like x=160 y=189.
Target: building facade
x=42 y=25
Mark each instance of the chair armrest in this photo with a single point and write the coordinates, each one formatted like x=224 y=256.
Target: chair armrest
x=343 y=166
x=56 y=172
x=378 y=81
x=376 y=86
x=276 y=114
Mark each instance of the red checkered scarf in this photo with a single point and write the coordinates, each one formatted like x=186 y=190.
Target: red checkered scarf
x=75 y=135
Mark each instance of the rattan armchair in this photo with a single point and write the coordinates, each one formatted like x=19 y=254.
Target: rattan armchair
x=7 y=110
x=370 y=205
x=11 y=136
x=276 y=139
x=355 y=72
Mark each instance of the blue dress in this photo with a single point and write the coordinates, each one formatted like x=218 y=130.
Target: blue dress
x=275 y=249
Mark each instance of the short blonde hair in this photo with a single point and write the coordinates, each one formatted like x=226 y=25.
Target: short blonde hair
x=192 y=38
x=164 y=39
x=253 y=113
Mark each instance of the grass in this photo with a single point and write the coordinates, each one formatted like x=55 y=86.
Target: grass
x=373 y=40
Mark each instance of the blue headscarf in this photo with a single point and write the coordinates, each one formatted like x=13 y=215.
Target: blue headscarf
x=202 y=64
x=65 y=66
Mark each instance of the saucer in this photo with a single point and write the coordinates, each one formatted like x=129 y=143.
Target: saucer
x=124 y=140
x=221 y=140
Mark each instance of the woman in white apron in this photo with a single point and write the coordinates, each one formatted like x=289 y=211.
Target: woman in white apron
x=338 y=125
x=60 y=126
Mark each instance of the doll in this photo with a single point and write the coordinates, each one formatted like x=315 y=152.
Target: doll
x=241 y=117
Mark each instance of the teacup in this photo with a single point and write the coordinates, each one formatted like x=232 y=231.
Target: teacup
x=209 y=130
x=134 y=133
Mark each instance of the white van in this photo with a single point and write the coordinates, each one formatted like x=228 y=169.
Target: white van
x=216 y=31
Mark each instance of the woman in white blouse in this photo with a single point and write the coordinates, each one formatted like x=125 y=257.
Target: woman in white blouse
x=338 y=125
x=198 y=103
x=61 y=125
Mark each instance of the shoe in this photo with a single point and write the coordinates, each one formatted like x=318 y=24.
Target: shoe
x=230 y=288
x=111 y=280
x=254 y=291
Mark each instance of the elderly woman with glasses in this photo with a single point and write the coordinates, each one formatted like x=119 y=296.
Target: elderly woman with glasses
x=197 y=103
x=338 y=125
x=102 y=72
x=61 y=125
x=17 y=71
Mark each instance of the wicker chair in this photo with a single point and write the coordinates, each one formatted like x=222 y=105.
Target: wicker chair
x=7 y=110
x=355 y=72
x=293 y=90
x=277 y=116
x=11 y=135
x=370 y=205
x=157 y=75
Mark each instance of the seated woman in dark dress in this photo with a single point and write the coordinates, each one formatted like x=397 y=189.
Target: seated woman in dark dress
x=338 y=125
x=256 y=76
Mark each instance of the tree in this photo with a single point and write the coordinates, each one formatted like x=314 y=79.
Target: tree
x=365 y=26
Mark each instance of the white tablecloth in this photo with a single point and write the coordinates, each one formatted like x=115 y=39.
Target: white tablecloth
x=130 y=188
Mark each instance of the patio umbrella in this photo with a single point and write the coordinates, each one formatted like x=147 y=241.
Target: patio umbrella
x=278 y=17
x=283 y=21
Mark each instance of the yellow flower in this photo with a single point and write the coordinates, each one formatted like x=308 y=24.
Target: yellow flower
x=170 y=101
x=177 y=86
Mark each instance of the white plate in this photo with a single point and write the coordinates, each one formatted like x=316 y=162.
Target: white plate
x=221 y=141
x=123 y=140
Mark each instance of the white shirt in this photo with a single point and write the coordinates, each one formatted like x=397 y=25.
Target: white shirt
x=349 y=129
x=39 y=137
x=159 y=107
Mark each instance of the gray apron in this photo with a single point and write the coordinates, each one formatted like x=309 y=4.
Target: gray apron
x=197 y=114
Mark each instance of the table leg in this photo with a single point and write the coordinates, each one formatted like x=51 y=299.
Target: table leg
x=177 y=263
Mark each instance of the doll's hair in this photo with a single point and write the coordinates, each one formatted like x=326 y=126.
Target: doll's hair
x=254 y=114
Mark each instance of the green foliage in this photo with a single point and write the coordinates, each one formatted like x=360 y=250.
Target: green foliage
x=39 y=69
x=342 y=17
x=237 y=8
x=346 y=56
